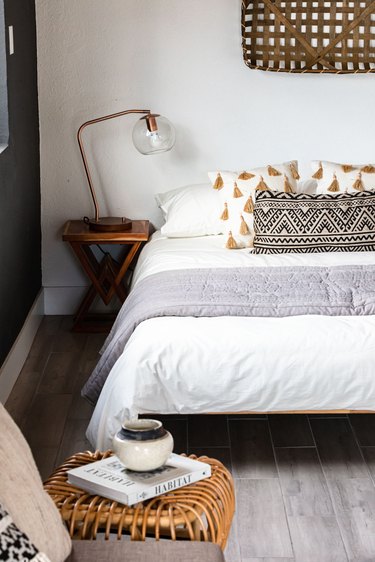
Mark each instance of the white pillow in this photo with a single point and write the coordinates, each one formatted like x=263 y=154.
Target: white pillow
x=333 y=177
x=237 y=195
x=192 y=210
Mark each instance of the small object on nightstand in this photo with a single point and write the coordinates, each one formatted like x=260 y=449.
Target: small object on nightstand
x=111 y=479
x=143 y=444
x=106 y=275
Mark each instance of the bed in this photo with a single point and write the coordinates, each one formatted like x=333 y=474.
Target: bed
x=190 y=365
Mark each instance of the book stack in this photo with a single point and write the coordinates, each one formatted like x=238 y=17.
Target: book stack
x=110 y=479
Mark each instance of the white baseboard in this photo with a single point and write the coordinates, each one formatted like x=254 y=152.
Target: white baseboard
x=16 y=358
x=66 y=300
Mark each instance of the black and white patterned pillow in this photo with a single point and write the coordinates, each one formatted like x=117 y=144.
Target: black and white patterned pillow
x=289 y=222
x=15 y=546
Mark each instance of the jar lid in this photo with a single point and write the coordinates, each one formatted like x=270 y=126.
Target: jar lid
x=142 y=430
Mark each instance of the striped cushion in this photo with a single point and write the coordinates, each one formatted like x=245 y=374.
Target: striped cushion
x=288 y=222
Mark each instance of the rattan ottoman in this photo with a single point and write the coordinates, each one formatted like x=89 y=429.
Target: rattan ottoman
x=199 y=512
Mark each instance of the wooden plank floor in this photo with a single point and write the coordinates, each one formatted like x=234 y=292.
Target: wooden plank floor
x=305 y=484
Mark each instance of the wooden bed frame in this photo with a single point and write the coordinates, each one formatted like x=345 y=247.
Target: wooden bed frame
x=248 y=412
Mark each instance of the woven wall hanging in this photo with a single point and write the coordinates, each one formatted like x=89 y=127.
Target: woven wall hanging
x=309 y=36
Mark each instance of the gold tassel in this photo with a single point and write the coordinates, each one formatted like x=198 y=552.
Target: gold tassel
x=346 y=168
x=287 y=187
x=236 y=191
x=358 y=184
x=246 y=176
x=231 y=243
x=368 y=169
x=273 y=172
x=225 y=214
x=294 y=172
x=249 y=205
x=244 y=229
x=219 y=184
x=334 y=187
x=262 y=186
x=319 y=173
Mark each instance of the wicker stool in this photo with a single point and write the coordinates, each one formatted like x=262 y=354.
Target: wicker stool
x=201 y=511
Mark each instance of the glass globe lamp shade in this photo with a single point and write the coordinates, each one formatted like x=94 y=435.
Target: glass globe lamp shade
x=152 y=134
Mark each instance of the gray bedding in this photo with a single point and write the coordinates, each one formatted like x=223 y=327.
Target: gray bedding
x=259 y=291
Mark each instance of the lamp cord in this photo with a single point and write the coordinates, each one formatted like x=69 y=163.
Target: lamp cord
x=107 y=254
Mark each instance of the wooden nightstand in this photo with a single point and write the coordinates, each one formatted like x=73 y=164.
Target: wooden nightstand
x=107 y=274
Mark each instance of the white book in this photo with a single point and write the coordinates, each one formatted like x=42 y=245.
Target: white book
x=109 y=478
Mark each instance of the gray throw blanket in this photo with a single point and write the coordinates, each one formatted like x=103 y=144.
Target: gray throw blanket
x=258 y=291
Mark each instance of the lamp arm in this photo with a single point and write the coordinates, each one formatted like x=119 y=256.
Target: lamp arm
x=83 y=153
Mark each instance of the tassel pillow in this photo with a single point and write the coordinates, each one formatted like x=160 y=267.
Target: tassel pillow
x=343 y=178
x=237 y=195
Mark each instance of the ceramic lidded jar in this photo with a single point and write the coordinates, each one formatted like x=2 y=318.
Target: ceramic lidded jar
x=143 y=444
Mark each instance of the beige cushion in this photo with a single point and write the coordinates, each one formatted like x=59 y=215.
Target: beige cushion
x=149 y=551
x=22 y=494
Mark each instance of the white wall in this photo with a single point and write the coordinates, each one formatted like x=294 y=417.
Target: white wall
x=184 y=60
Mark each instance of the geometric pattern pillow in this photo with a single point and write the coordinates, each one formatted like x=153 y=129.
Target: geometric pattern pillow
x=237 y=196
x=286 y=222
x=340 y=178
x=15 y=546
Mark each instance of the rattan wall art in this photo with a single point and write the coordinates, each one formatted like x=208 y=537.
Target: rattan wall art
x=309 y=36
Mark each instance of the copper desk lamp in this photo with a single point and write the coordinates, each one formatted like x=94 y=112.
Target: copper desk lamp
x=152 y=134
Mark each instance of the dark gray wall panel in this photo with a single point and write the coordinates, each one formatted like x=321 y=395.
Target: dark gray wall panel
x=20 y=238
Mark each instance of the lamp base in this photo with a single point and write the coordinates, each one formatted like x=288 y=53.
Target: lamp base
x=109 y=224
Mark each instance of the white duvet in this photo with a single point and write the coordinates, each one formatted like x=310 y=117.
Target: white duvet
x=236 y=364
